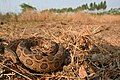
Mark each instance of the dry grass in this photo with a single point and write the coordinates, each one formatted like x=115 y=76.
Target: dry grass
x=67 y=29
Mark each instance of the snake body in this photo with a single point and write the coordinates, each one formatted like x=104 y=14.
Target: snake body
x=38 y=54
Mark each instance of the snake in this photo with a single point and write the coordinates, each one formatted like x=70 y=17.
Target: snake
x=38 y=54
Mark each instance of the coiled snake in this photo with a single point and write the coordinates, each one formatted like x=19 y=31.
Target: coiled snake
x=38 y=54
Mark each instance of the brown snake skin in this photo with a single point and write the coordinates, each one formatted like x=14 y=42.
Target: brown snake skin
x=38 y=54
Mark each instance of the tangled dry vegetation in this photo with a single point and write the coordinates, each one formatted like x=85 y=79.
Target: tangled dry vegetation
x=93 y=41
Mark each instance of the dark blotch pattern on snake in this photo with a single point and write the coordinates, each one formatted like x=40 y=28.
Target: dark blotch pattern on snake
x=40 y=54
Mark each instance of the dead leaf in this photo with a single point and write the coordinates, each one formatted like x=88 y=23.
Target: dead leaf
x=82 y=72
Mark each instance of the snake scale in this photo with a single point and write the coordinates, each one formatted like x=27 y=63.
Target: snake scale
x=38 y=54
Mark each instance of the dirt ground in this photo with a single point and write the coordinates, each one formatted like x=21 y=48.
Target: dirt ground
x=103 y=31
